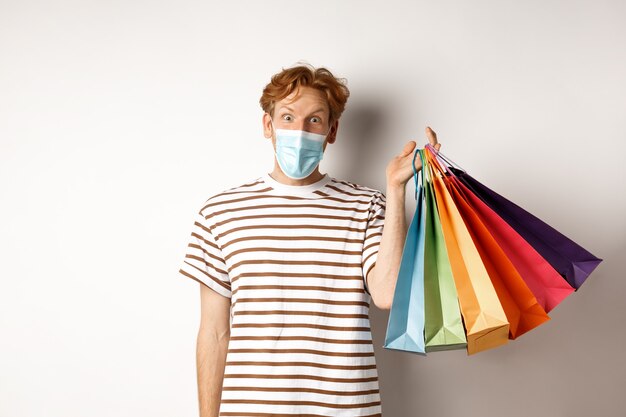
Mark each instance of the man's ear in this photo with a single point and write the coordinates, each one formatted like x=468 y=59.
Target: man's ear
x=267 y=127
x=333 y=132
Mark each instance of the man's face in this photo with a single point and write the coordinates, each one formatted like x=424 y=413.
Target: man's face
x=304 y=109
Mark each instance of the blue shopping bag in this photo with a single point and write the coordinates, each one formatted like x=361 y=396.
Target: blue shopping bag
x=405 y=328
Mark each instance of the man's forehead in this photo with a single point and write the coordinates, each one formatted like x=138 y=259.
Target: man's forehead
x=305 y=98
x=316 y=109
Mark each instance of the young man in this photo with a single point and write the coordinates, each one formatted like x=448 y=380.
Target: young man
x=288 y=263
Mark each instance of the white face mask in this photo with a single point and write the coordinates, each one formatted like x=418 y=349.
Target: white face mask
x=298 y=152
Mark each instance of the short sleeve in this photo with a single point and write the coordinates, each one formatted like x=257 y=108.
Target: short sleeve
x=373 y=235
x=203 y=261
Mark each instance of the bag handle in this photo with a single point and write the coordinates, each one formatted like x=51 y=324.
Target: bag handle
x=426 y=168
x=433 y=163
x=450 y=184
x=415 y=170
x=444 y=158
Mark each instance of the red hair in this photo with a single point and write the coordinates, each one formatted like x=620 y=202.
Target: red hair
x=305 y=75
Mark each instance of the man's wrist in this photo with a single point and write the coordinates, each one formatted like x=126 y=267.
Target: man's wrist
x=394 y=190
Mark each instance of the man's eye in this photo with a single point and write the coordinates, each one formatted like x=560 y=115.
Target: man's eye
x=316 y=118
x=287 y=117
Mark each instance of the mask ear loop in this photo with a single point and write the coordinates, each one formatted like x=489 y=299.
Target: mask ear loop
x=330 y=127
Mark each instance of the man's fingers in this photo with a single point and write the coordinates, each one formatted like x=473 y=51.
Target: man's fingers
x=432 y=136
x=408 y=148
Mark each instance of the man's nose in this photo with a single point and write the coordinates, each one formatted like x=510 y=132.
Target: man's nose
x=300 y=125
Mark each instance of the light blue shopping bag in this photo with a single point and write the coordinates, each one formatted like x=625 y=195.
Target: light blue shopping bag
x=405 y=328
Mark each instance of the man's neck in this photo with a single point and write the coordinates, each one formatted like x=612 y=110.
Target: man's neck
x=279 y=176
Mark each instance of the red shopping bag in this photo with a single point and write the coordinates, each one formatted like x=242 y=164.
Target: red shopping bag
x=521 y=307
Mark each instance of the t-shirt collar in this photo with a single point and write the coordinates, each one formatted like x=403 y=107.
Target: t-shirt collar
x=296 y=189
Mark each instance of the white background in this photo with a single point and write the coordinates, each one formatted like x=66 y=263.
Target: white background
x=119 y=118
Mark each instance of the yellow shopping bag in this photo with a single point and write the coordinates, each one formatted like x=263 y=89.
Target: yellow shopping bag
x=486 y=324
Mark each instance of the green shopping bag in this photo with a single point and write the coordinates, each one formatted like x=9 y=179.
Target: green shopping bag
x=443 y=327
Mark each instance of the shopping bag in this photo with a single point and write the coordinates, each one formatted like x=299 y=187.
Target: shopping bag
x=405 y=326
x=547 y=285
x=486 y=324
x=521 y=307
x=573 y=262
x=443 y=329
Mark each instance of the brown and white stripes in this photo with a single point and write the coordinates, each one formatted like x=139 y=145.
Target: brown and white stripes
x=293 y=260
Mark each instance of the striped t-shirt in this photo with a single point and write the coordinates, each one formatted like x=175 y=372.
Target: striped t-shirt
x=293 y=259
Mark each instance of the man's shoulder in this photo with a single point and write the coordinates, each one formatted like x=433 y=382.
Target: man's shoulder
x=364 y=189
x=232 y=192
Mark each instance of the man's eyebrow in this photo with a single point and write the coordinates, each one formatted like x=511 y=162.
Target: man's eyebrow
x=321 y=109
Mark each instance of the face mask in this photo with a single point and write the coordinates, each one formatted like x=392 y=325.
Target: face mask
x=298 y=152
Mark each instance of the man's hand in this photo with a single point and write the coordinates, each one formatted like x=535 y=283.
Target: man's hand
x=400 y=169
x=382 y=277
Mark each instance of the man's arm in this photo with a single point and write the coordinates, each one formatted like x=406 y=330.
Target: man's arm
x=382 y=285
x=211 y=348
x=382 y=278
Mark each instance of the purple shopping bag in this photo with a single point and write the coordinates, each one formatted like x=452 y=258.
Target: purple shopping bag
x=570 y=259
